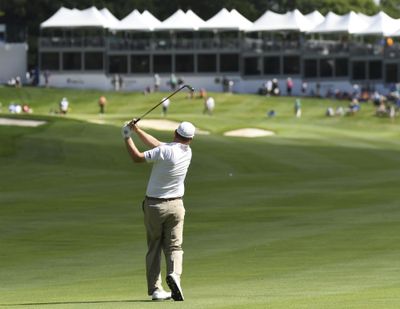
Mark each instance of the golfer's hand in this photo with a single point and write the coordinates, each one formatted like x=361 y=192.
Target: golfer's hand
x=133 y=125
x=126 y=130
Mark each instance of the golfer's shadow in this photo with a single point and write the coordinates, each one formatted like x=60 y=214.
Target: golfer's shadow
x=79 y=302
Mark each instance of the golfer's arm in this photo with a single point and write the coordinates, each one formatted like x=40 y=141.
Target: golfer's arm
x=136 y=155
x=147 y=139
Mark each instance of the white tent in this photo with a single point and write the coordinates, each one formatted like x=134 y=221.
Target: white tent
x=111 y=19
x=150 y=19
x=196 y=20
x=58 y=19
x=382 y=24
x=315 y=18
x=243 y=22
x=90 y=17
x=349 y=23
x=225 y=20
x=291 y=21
x=179 y=21
x=66 y=18
x=134 y=22
x=330 y=24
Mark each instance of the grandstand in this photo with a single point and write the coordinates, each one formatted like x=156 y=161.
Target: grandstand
x=90 y=48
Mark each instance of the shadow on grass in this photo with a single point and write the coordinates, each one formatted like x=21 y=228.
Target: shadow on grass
x=77 y=302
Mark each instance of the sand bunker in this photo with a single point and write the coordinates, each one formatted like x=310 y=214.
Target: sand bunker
x=21 y=122
x=249 y=132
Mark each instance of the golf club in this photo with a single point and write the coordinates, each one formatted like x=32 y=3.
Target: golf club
x=162 y=101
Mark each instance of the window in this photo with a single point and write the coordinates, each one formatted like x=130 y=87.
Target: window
x=140 y=64
x=50 y=61
x=326 y=67
x=207 y=63
x=94 y=61
x=341 y=67
x=291 y=65
x=118 y=64
x=162 y=63
x=310 y=68
x=272 y=65
x=72 y=61
x=391 y=73
x=184 y=63
x=375 y=69
x=252 y=66
x=229 y=63
x=359 y=71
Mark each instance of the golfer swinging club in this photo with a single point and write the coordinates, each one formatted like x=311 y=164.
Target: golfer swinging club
x=163 y=206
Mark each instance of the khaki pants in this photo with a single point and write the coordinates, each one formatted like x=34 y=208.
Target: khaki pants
x=164 y=226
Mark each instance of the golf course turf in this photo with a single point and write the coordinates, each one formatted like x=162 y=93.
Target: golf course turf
x=307 y=218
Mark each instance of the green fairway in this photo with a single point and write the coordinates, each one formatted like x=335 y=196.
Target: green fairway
x=308 y=218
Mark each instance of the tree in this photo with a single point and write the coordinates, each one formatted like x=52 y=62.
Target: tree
x=391 y=7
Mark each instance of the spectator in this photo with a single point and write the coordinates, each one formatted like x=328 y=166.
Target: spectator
x=102 y=104
x=354 y=107
x=330 y=112
x=271 y=113
x=165 y=105
x=64 y=105
x=269 y=87
x=275 y=87
x=173 y=81
x=297 y=108
x=46 y=76
x=157 y=82
x=304 y=87
x=339 y=111
x=289 y=86
x=202 y=93
x=209 y=106
x=116 y=82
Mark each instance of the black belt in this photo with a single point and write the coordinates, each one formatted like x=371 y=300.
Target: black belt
x=163 y=199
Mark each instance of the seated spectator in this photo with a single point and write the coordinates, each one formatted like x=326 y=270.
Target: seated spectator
x=330 y=112
x=354 y=107
x=381 y=110
x=339 y=111
x=271 y=113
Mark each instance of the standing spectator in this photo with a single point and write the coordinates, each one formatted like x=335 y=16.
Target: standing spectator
x=209 y=105
x=165 y=106
x=269 y=87
x=304 y=87
x=116 y=82
x=102 y=104
x=202 y=93
x=46 y=75
x=275 y=87
x=64 y=105
x=297 y=108
x=157 y=82
x=289 y=86
x=173 y=81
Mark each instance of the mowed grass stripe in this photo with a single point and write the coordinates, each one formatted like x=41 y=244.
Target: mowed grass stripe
x=305 y=219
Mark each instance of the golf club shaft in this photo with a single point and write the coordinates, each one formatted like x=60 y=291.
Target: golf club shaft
x=162 y=101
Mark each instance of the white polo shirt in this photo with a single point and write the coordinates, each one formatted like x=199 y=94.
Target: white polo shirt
x=171 y=162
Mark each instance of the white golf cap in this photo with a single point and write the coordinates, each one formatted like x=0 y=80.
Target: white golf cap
x=186 y=129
